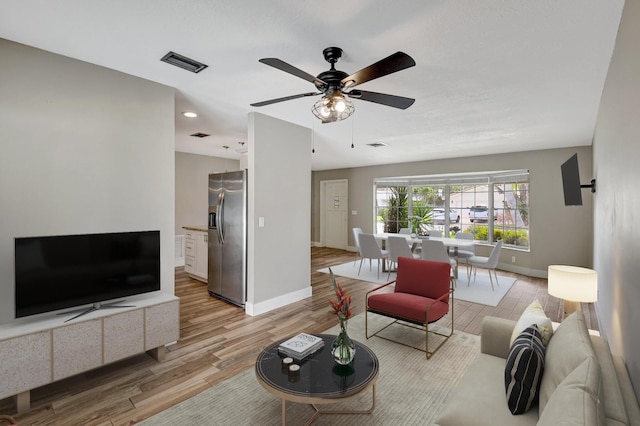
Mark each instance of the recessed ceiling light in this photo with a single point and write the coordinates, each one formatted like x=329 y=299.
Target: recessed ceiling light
x=190 y=114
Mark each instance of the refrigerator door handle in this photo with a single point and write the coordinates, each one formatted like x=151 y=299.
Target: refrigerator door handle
x=220 y=217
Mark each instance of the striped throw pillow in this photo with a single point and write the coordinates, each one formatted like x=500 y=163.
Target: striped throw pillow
x=523 y=372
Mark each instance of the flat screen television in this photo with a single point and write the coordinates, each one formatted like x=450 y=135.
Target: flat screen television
x=571 y=182
x=57 y=272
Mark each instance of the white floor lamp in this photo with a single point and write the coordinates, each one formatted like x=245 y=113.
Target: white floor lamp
x=574 y=285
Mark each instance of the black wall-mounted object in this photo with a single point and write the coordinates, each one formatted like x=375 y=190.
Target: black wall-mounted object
x=571 y=182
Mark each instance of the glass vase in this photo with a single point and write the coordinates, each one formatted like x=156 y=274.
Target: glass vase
x=343 y=347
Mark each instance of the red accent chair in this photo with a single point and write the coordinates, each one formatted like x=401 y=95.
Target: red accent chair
x=421 y=296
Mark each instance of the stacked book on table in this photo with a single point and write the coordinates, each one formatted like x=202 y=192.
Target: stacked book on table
x=301 y=346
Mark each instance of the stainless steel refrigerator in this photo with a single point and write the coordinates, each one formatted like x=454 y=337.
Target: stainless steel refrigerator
x=228 y=236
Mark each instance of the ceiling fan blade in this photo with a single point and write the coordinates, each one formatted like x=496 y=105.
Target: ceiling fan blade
x=283 y=66
x=382 y=98
x=286 y=98
x=396 y=62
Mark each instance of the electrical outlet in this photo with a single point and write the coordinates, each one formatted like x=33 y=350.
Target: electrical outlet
x=513 y=259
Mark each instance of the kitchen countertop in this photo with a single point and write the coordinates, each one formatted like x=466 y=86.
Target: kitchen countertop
x=196 y=228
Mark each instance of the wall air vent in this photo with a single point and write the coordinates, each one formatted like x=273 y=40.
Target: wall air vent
x=377 y=144
x=183 y=62
x=200 y=135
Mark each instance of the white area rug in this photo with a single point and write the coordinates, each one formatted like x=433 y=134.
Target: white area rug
x=410 y=389
x=479 y=291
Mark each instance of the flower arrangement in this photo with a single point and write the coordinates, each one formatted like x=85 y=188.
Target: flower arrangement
x=341 y=306
x=343 y=348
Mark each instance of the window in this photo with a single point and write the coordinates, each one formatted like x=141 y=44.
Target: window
x=490 y=205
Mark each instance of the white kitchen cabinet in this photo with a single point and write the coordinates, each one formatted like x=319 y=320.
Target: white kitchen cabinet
x=196 y=257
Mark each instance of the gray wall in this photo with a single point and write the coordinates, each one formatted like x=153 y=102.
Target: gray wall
x=83 y=149
x=192 y=195
x=279 y=254
x=616 y=150
x=550 y=219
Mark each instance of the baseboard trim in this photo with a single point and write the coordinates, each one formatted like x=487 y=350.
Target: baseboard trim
x=254 y=309
x=537 y=273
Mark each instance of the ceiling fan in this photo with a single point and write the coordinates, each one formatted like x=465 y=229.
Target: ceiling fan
x=337 y=86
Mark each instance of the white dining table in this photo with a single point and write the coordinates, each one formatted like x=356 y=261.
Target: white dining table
x=449 y=243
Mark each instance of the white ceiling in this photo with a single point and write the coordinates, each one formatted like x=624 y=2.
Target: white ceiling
x=491 y=76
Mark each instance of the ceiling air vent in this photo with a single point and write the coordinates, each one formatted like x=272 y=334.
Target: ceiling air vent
x=377 y=144
x=200 y=135
x=183 y=62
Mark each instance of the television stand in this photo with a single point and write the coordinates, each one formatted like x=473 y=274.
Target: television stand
x=96 y=306
x=39 y=350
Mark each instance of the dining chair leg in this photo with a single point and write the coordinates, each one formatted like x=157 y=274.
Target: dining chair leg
x=491 y=279
x=360 y=268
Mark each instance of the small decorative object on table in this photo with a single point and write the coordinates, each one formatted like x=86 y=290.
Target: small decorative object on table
x=342 y=347
x=300 y=346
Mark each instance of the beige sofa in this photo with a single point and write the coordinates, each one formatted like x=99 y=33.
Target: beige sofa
x=582 y=383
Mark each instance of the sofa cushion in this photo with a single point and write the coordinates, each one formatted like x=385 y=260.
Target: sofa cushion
x=534 y=314
x=613 y=400
x=478 y=399
x=575 y=401
x=567 y=349
x=523 y=372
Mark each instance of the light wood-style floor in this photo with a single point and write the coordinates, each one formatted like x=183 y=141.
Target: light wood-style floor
x=219 y=341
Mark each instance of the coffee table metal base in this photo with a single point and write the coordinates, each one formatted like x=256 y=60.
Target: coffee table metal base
x=318 y=411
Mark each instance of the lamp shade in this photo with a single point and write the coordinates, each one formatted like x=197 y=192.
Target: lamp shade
x=573 y=283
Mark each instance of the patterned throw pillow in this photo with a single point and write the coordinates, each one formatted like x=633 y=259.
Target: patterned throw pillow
x=534 y=314
x=523 y=372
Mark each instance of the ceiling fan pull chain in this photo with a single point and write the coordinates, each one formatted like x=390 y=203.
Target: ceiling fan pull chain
x=352 y=124
x=313 y=137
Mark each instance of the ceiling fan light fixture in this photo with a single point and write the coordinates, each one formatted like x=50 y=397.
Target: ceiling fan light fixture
x=333 y=108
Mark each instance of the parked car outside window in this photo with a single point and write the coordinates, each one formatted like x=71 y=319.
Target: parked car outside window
x=479 y=214
x=438 y=215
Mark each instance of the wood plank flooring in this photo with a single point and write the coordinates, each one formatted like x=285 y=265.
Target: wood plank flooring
x=219 y=341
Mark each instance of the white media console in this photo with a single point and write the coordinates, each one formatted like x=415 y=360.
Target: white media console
x=40 y=350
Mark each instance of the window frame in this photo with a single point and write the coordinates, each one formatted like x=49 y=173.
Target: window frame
x=518 y=232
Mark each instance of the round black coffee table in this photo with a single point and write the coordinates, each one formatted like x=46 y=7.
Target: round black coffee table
x=321 y=380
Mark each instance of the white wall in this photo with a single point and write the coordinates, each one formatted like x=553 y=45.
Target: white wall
x=83 y=149
x=192 y=187
x=616 y=150
x=279 y=182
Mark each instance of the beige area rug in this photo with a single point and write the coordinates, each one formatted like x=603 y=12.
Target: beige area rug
x=478 y=291
x=410 y=389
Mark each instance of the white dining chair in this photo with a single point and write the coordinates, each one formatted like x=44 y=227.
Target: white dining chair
x=369 y=249
x=356 y=233
x=398 y=247
x=435 y=234
x=436 y=251
x=489 y=263
x=468 y=251
x=405 y=231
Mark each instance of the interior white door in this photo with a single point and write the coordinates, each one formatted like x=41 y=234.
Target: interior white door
x=335 y=214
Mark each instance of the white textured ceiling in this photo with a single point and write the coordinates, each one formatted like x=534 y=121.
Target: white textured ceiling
x=492 y=76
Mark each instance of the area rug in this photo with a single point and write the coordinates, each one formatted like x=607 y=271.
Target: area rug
x=410 y=389
x=478 y=291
